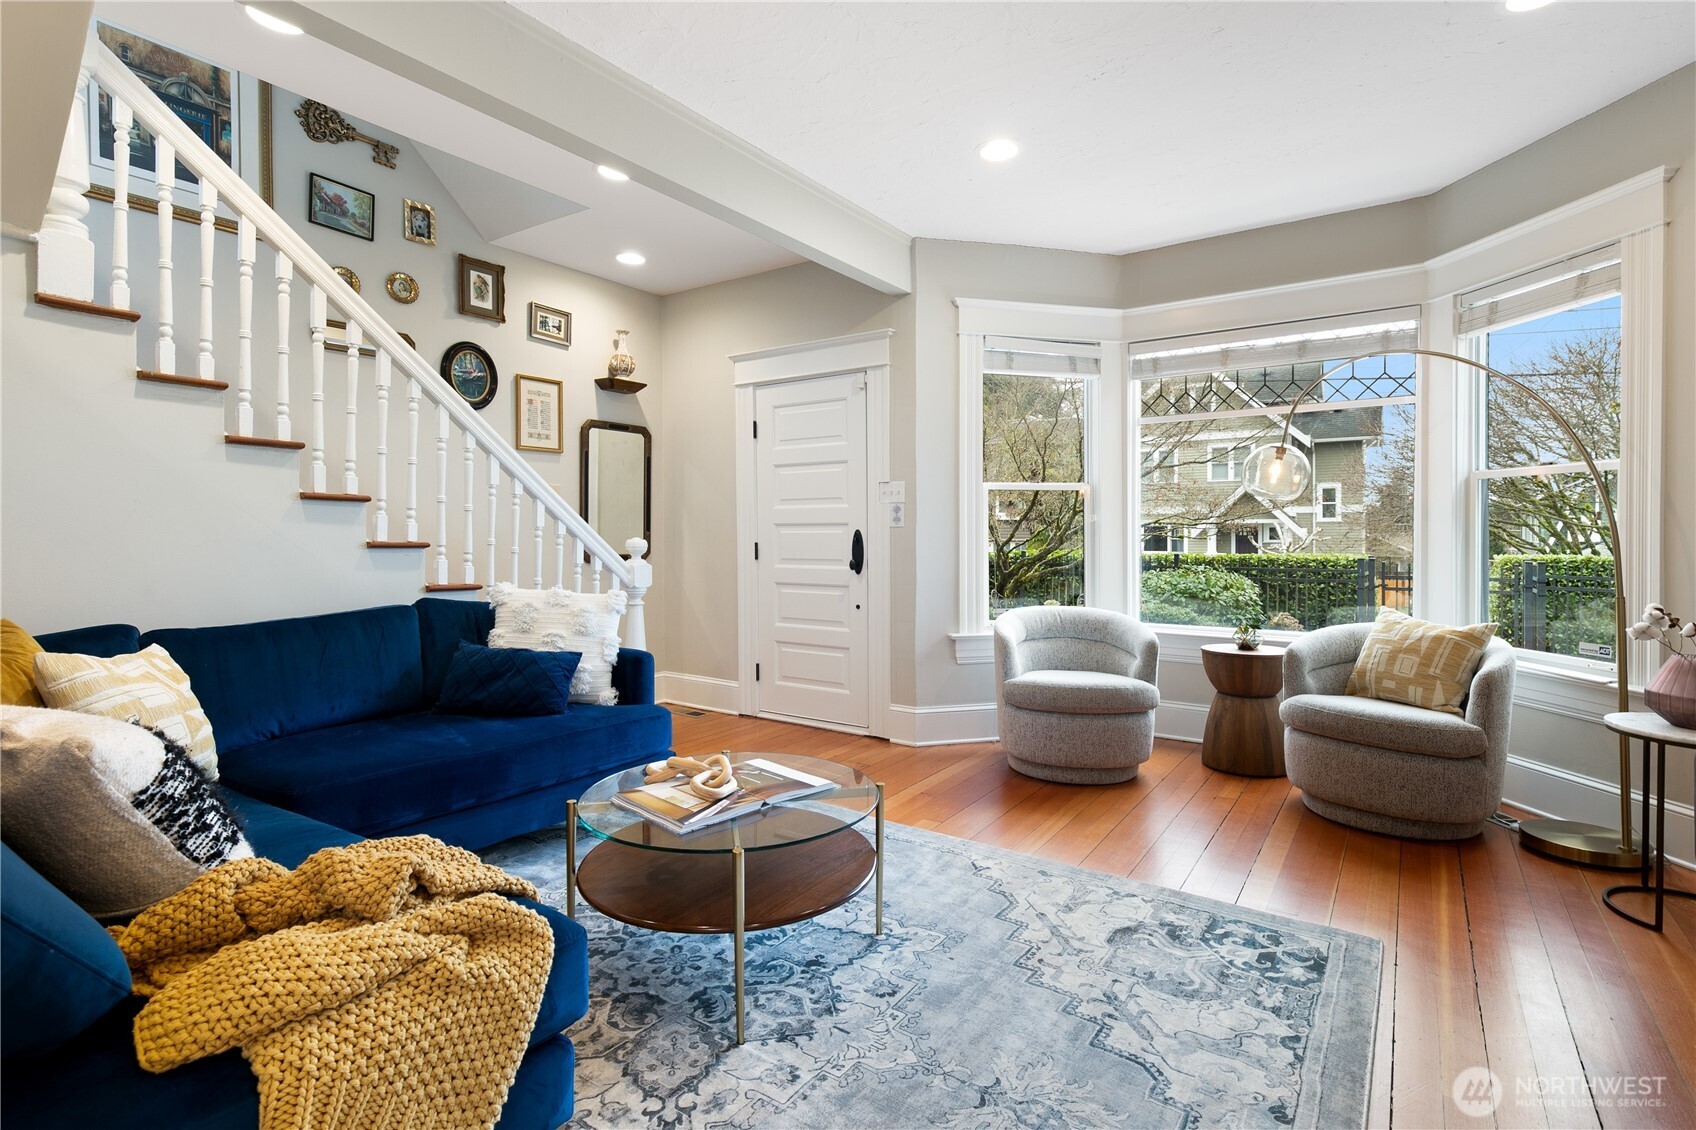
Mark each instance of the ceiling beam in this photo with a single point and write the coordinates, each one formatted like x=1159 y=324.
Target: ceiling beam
x=498 y=60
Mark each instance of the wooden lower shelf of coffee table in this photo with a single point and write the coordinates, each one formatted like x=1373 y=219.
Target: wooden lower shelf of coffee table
x=694 y=893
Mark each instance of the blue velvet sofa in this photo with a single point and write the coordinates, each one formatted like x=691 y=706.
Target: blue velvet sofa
x=325 y=735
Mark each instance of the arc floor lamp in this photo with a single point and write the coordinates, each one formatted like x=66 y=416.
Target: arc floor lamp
x=1280 y=473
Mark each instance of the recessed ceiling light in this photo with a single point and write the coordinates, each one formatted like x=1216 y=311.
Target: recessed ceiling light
x=631 y=258
x=271 y=23
x=1527 y=5
x=1000 y=149
x=611 y=173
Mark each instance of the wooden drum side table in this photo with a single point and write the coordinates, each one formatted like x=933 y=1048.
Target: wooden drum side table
x=1244 y=735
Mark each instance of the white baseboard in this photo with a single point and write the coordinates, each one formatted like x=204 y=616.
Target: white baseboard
x=943 y=725
x=718 y=695
x=1180 y=721
x=1548 y=791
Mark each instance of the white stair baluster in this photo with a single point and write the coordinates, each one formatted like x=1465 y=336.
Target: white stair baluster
x=246 y=253
x=559 y=553
x=165 y=158
x=470 y=506
x=412 y=459
x=597 y=572
x=576 y=565
x=382 y=524
x=122 y=119
x=541 y=523
x=517 y=525
x=494 y=511
x=64 y=253
x=318 y=315
x=641 y=577
x=285 y=284
x=205 y=370
x=441 y=493
x=350 y=458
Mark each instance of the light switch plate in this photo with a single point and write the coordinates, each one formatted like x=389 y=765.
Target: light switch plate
x=892 y=492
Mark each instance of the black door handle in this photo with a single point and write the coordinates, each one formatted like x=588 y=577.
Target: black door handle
x=857 y=555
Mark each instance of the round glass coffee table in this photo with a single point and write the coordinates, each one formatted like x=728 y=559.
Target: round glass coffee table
x=782 y=864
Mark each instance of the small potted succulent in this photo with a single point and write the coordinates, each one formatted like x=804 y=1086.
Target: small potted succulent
x=1672 y=692
x=1247 y=635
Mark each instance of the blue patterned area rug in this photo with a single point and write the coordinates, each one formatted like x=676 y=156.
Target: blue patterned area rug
x=1005 y=992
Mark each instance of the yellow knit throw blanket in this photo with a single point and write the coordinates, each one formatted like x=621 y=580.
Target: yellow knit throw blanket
x=380 y=986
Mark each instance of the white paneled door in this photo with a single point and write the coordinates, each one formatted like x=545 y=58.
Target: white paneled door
x=810 y=460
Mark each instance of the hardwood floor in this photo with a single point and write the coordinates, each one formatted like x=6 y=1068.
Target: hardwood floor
x=1493 y=956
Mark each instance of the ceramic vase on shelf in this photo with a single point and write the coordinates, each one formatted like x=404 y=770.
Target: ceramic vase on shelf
x=1672 y=692
x=620 y=364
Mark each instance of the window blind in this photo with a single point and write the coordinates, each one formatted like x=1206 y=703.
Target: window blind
x=1571 y=282
x=1028 y=357
x=1283 y=343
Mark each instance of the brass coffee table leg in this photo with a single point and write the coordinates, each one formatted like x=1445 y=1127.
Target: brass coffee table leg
x=878 y=930
x=571 y=859
x=741 y=918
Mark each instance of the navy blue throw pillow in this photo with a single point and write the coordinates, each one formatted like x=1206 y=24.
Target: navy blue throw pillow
x=507 y=681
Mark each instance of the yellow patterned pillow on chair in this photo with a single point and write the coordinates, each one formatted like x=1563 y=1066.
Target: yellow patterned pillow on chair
x=18 y=650
x=147 y=686
x=1419 y=663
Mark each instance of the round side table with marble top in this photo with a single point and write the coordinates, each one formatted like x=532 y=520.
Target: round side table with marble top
x=1244 y=733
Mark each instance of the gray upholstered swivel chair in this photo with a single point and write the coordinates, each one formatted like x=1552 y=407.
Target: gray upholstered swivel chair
x=1075 y=691
x=1386 y=767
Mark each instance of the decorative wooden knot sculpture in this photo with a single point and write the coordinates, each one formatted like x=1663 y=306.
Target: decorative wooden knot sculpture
x=710 y=778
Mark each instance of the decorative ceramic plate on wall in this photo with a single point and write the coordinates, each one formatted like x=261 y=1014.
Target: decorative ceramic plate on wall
x=349 y=277
x=471 y=371
x=403 y=287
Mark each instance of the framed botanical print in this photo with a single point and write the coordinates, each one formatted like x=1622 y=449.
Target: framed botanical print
x=539 y=405
x=482 y=289
x=418 y=222
x=549 y=324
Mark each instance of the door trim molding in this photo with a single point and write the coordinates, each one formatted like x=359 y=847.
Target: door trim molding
x=829 y=357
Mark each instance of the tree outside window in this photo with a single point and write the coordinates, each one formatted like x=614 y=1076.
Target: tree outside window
x=1033 y=469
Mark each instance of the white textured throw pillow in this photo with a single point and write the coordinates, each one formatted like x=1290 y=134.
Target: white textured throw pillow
x=110 y=813
x=558 y=620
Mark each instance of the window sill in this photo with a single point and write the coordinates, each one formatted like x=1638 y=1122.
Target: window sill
x=973 y=647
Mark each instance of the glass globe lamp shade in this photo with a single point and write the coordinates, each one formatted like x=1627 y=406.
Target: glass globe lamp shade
x=1277 y=473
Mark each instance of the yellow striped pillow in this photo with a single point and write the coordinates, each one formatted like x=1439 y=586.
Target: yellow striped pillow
x=147 y=686
x=1419 y=663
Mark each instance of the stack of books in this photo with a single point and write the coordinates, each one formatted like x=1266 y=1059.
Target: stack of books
x=760 y=784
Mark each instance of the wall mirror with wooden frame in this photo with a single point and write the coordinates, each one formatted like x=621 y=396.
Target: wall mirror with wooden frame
x=617 y=487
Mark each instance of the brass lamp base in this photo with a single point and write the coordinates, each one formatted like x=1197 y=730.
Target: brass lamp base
x=1589 y=844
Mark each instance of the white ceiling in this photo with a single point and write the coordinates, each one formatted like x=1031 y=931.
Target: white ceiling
x=1141 y=124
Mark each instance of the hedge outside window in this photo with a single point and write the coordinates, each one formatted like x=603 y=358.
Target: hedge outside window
x=1293 y=566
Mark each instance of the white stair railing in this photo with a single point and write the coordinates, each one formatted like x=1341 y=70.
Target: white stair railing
x=66 y=267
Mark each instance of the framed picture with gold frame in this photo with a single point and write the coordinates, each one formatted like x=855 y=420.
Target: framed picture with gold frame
x=418 y=222
x=482 y=289
x=540 y=409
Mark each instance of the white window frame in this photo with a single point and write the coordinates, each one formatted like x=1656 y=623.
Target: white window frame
x=1233 y=467
x=1320 y=503
x=1476 y=345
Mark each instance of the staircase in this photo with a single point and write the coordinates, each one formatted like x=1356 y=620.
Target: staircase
x=491 y=516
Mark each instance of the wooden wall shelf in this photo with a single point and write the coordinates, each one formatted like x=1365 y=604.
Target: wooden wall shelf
x=619 y=384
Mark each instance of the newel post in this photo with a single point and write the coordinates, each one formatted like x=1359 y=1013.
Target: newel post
x=641 y=577
x=64 y=252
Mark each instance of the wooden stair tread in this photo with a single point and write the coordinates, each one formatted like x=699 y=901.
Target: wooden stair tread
x=397 y=545
x=176 y=379
x=60 y=302
x=451 y=588
x=261 y=441
x=327 y=496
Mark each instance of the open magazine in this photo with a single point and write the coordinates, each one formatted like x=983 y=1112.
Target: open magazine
x=760 y=784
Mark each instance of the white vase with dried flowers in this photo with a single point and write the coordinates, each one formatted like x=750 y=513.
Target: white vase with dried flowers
x=1672 y=692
